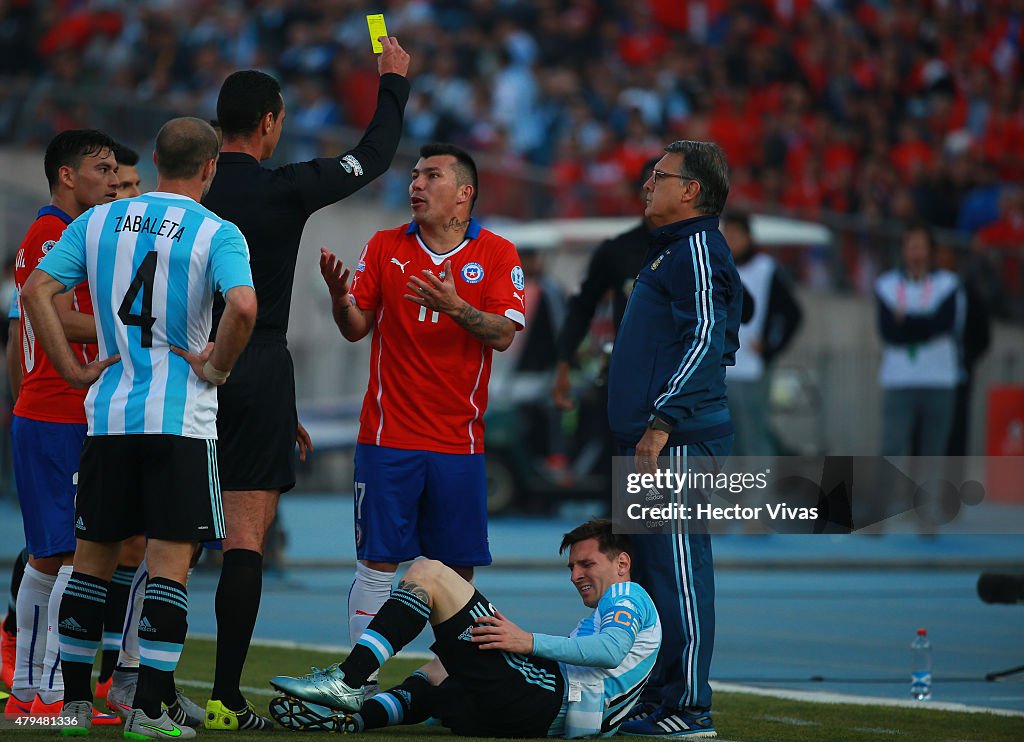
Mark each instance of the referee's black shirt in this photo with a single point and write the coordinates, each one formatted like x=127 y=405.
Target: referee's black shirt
x=612 y=266
x=271 y=207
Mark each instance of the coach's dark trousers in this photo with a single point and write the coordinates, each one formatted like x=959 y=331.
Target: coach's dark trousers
x=677 y=569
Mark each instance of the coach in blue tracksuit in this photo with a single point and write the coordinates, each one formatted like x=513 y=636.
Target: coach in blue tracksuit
x=666 y=397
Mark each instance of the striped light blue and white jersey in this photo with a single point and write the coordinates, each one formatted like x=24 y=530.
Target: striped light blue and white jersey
x=153 y=264
x=606 y=660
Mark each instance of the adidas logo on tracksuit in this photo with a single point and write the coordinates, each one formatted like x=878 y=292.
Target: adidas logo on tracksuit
x=71 y=624
x=145 y=625
x=466 y=635
x=80 y=524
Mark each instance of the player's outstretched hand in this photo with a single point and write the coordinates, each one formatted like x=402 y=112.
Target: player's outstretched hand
x=394 y=58
x=335 y=274
x=303 y=441
x=86 y=375
x=497 y=632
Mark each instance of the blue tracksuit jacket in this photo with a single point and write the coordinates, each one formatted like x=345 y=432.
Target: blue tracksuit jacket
x=679 y=333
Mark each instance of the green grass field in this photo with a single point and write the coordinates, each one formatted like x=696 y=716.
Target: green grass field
x=738 y=716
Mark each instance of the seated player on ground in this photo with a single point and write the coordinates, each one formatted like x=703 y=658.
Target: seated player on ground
x=498 y=680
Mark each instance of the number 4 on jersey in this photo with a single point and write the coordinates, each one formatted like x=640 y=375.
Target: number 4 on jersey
x=143 y=281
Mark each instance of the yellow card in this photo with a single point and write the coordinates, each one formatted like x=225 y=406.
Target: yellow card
x=377 y=29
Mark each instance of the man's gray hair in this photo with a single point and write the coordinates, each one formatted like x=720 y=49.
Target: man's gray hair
x=705 y=163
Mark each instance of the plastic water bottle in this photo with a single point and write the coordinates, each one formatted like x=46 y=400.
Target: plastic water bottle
x=921 y=668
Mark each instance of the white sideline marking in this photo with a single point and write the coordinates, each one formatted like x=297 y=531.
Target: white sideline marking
x=789 y=720
x=330 y=648
x=247 y=690
x=791 y=695
x=338 y=649
x=824 y=697
x=875 y=730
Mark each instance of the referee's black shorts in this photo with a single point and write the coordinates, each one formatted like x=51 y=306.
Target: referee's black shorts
x=256 y=419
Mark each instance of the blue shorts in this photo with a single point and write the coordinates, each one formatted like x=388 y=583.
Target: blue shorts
x=46 y=457
x=420 y=503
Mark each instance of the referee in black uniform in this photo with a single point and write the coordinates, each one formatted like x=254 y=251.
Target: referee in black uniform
x=612 y=267
x=257 y=424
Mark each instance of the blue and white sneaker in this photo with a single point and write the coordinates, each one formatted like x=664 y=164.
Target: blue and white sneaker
x=325 y=687
x=666 y=722
x=640 y=710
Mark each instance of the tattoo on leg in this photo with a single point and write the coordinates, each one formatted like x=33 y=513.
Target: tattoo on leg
x=417 y=590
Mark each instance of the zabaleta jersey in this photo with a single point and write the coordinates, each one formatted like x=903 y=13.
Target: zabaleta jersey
x=428 y=376
x=606 y=661
x=153 y=264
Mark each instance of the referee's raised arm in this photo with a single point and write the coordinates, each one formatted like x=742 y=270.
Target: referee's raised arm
x=372 y=156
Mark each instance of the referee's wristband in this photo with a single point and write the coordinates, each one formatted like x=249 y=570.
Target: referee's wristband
x=214 y=375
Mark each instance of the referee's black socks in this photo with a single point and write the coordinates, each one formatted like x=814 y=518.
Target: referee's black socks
x=237 y=605
x=81 y=628
x=398 y=622
x=17 y=573
x=162 y=629
x=113 y=618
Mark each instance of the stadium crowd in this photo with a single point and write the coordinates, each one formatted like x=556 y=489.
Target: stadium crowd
x=884 y=108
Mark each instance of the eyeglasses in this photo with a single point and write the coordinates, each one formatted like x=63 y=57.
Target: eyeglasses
x=655 y=174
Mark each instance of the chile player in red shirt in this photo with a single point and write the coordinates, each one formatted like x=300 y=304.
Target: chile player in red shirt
x=441 y=294
x=49 y=425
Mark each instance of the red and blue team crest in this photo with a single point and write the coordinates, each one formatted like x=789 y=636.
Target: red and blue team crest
x=472 y=273
x=48 y=245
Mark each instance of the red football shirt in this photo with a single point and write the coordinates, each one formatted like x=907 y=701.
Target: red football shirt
x=44 y=394
x=428 y=376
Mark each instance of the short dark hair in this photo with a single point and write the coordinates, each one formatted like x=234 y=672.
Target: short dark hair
x=739 y=219
x=69 y=147
x=645 y=172
x=608 y=543
x=465 y=168
x=125 y=155
x=183 y=146
x=245 y=98
x=705 y=163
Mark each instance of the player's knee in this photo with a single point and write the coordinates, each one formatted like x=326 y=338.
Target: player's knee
x=426 y=572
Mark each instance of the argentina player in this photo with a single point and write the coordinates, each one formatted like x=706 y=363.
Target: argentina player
x=498 y=680
x=149 y=465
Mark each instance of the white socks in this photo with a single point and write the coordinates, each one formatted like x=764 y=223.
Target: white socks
x=51 y=684
x=33 y=604
x=370 y=590
x=129 y=655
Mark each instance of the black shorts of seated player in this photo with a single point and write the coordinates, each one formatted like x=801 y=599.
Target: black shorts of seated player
x=485 y=695
x=162 y=485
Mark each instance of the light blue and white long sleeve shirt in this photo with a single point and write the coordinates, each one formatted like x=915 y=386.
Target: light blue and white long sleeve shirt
x=606 y=661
